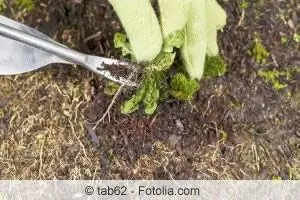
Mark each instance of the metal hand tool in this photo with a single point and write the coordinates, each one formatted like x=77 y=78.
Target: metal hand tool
x=23 y=49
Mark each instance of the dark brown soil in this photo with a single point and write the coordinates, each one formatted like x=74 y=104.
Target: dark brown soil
x=238 y=126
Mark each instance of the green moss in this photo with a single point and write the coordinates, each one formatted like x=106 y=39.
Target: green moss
x=214 y=67
x=273 y=77
x=259 y=52
x=27 y=4
x=182 y=87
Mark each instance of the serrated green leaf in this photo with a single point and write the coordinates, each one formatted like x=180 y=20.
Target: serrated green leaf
x=152 y=95
x=150 y=108
x=132 y=104
x=163 y=61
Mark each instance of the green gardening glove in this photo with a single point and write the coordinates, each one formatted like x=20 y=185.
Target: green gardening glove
x=198 y=19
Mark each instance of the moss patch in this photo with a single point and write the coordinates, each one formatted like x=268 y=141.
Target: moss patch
x=183 y=88
x=273 y=77
x=259 y=52
x=214 y=67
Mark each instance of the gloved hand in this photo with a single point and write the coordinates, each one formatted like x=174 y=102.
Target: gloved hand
x=199 y=19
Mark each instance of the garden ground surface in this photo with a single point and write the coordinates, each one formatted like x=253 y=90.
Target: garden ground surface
x=240 y=126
